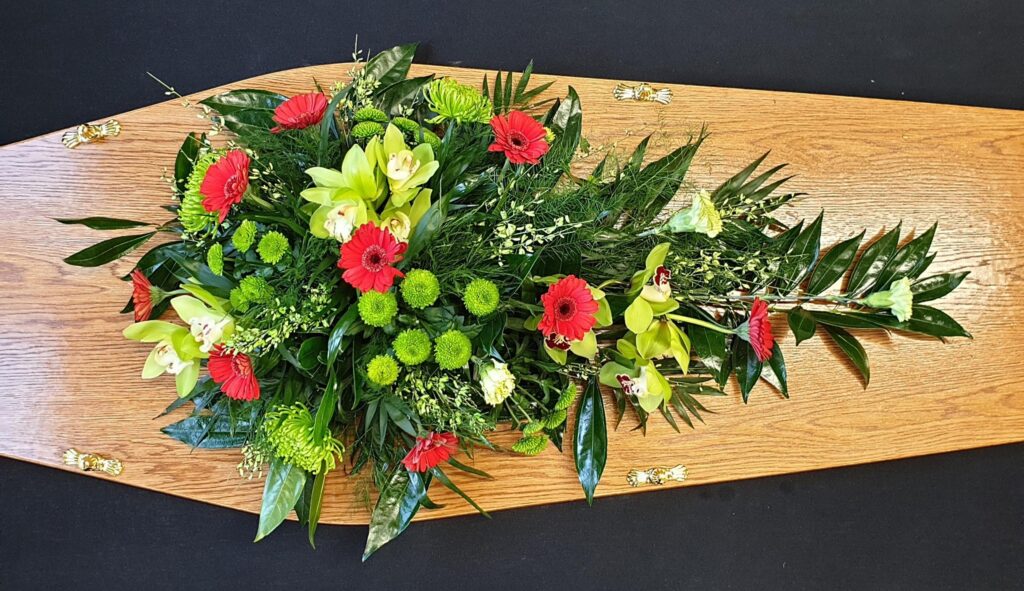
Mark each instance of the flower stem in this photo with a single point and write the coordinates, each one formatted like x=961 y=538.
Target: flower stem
x=702 y=323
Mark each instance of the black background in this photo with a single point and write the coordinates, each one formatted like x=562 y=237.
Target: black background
x=954 y=521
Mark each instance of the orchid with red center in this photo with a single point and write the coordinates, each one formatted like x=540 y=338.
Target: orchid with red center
x=143 y=294
x=233 y=371
x=300 y=112
x=430 y=451
x=759 y=331
x=225 y=183
x=569 y=309
x=367 y=259
x=521 y=137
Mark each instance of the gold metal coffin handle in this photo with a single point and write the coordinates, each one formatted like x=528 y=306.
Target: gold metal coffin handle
x=92 y=462
x=658 y=475
x=642 y=92
x=90 y=132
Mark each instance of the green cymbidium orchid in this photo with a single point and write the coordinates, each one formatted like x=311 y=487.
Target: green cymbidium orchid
x=406 y=169
x=176 y=352
x=341 y=196
x=702 y=217
x=209 y=322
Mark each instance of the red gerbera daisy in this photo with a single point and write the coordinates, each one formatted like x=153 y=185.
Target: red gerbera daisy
x=300 y=112
x=759 y=331
x=569 y=309
x=520 y=137
x=142 y=296
x=430 y=451
x=225 y=183
x=367 y=259
x=233 y=371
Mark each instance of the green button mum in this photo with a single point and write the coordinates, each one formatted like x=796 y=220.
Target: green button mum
x=244 y=236
x=215 y=259
x=256 y=289
x=481 y=297
x=452 y=350
x=377 y=309
x=272 y=247
x=420 y=288
x=382 y=370
x=412 y=346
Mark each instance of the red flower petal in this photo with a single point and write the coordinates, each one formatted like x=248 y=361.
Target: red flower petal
x=142 y=296
x=760 y=330
x=430 y=451
x=569 y=309
x=520 y=137
x=225 y=183
x=300 y=112
x=368 y=257
x=233 y=371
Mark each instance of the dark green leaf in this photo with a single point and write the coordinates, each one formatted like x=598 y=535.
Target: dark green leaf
x=310 y=351
x=397 y=504
x=833 y=265
x=873 y=260
x=443 y=479
x=282 y=490
x=186 y=159
x=402 y=94
x=747 y=367
x=391 y=66
x=852 y=348
x=103 y=223
x=244 y=110
x=208 y=432
x=590 y=446
x=801 y=256
x=934 y=322
x=936 y=286
x=906 y=259
x=841 y=320
x=777 y=370
x=335 y=343
x=108 y=250
x=325 y=412
x=802 y=323
x=470 y=469
x=316 y=503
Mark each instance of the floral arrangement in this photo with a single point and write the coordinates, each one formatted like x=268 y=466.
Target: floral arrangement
x=377 y=275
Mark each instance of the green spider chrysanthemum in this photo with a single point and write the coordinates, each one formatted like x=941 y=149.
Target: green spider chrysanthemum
x=412 y=346
x=457 y=102
x=290 y=433
x=272 y=247
x=367 y=129
x=192 y=214
x=420 y=288
x=215 y=259
x=530 y=446
x=452 y=350
x=238 y=300
x=371 y=114
x=566 y=398
x=377 y=309
x=256 y=289
x=382 y=370
x=481 y=297
x=244 y=236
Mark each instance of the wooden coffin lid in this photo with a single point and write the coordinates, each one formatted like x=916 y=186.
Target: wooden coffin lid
x=68 y=379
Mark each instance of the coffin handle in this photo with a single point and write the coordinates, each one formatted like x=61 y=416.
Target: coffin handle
x=92 y=462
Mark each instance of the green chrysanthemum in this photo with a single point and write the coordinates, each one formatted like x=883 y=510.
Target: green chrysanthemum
x=530 y=446
x=367 y=129
x=272 y=247
x=377 y=309
x=382 y=370
x=238 y=300
x=566 y=398
x=215 y=259
x=244 y=236
x=420 y=288
x=412 y=346
x=533 y=427
x=452 y=350
x=371 y=114
x=481 y=297
x=430 y=138
x=256 y=289
x=407 y=125
x=192 y=214
x=555 y=419
x=457 y=102
x=290 y=432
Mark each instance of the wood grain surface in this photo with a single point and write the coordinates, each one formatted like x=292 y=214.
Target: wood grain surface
x=68 y=379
